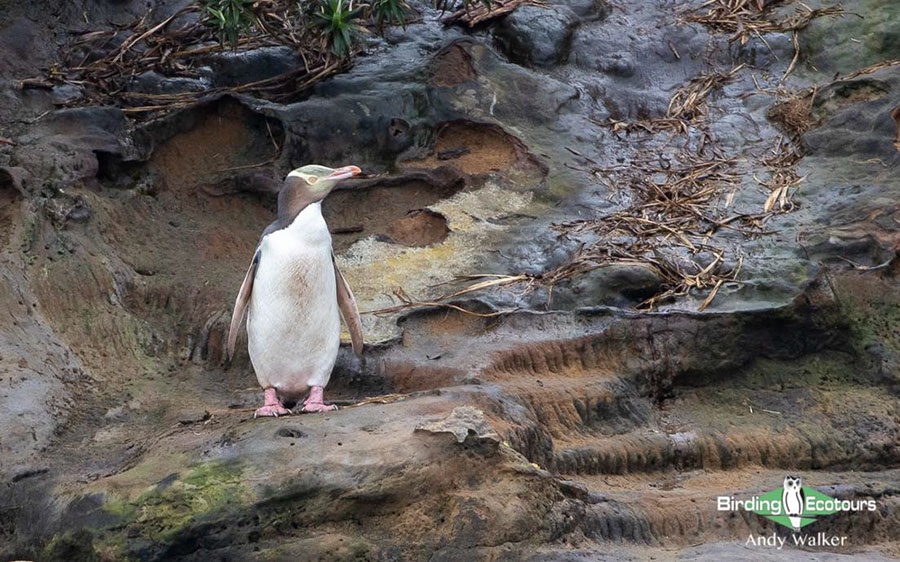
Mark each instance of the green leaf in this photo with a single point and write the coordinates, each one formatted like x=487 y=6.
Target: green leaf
x=217 y=13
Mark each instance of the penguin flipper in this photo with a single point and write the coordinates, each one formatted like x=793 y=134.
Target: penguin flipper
x=349 y=311
x=240 y=307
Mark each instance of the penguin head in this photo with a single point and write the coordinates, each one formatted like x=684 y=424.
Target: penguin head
x=307 y=185
x=318 y=181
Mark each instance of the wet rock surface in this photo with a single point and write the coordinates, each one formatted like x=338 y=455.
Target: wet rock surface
x=537 y=35
x=568 y=427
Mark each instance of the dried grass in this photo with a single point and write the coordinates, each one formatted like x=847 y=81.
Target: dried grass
x=382 y=399
x=651 y=126
x=676 y=207
x=675 y=210
x=687 y=106
x=443 y=301
x=783 y=181
x=869 y=69
x=173 y=49
x=794 y=112
x=745 y=19
x=689 y=102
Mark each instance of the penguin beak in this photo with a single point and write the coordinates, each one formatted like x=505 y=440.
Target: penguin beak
x=343 y=173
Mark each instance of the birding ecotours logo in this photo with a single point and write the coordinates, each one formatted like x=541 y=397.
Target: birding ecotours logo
x=794 y=505
x=788 y=505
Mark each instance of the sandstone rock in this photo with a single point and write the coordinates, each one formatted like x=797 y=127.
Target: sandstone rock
x=465 y=424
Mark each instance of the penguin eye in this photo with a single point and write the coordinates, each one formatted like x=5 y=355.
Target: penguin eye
x=312 y=179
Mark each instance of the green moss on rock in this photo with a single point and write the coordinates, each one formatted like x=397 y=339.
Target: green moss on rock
x=78 y=545
x=172 y=507
x=851 y=42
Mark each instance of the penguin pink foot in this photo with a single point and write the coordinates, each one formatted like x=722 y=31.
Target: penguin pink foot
x=272 y=406
x=314 y=402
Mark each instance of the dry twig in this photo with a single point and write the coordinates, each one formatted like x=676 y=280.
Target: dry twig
x=444 y=301
x=689 y=102
x=472 y=17
x=687 y=106
x=744 y=19
x=176 y=49
x=666 y=229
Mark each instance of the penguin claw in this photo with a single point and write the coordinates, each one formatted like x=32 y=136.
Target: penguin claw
x=309 y=408
x=271 y=411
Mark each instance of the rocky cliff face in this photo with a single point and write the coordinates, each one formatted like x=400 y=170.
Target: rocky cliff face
x=592 y=403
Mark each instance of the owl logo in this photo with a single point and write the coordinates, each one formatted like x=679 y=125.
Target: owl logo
x=793 y=499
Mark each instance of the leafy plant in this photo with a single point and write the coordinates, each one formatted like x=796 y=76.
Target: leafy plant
x=336 y=17
x=390 y=12
x=231 y=18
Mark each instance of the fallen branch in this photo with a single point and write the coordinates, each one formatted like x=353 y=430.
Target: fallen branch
x=443 y=300
x=472 y=17
x=175 y=49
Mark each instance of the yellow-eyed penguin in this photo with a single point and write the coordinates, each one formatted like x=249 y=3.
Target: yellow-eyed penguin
x=293 y=295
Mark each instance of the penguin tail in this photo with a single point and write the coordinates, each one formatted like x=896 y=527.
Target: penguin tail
x=795 y=523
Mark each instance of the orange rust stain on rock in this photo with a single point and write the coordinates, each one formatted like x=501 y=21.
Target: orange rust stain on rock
x=393 y=210
x=451 y=67
x=219 y=141
x=479 y=149
x=419 y=228
x=489 y=148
